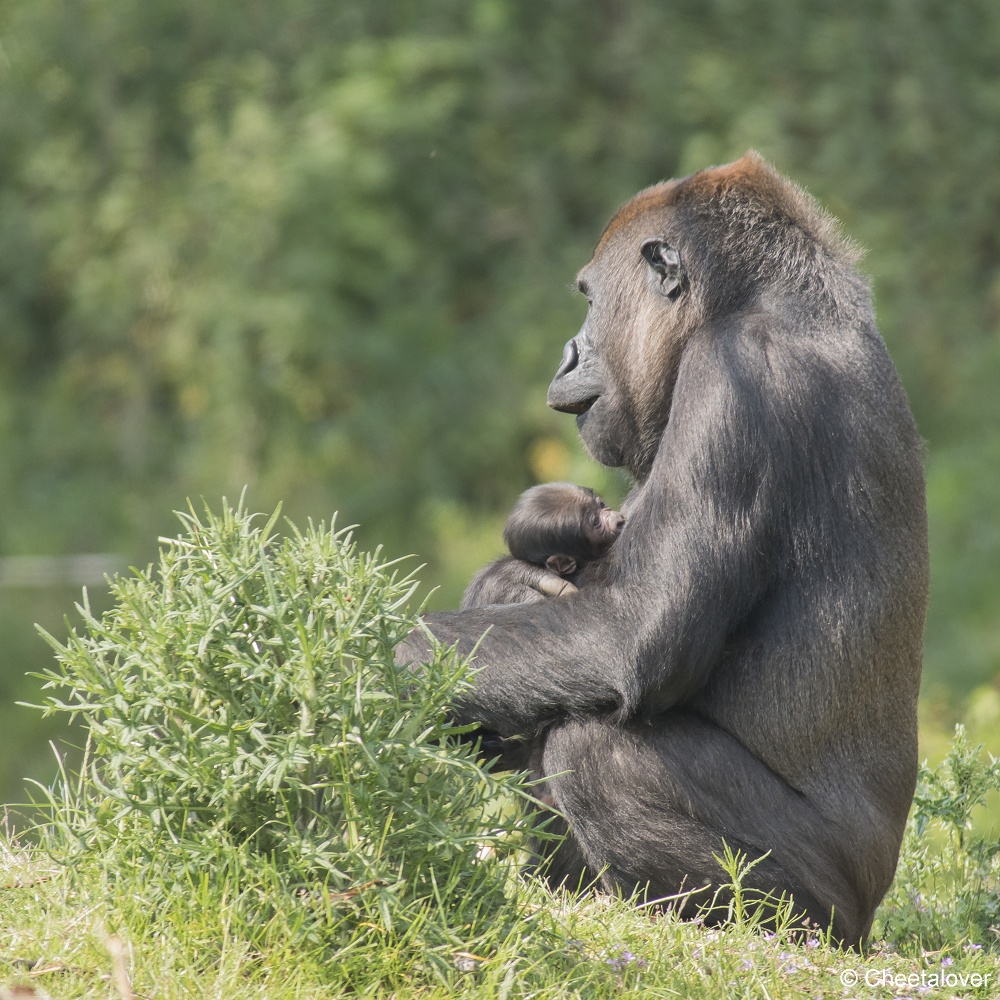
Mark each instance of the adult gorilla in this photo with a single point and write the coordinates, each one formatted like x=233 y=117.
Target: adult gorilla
x=744 y=664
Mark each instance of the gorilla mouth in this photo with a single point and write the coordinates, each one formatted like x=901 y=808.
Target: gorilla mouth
x=584 y=410
x=578 y=407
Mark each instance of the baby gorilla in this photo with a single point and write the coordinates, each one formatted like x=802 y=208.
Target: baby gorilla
x=554 y=528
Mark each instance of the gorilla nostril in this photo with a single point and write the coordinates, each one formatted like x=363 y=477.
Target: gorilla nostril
x=570 y=358
x=619 y=522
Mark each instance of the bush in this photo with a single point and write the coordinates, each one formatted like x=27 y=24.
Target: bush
x=947 y=887
x=253 y=745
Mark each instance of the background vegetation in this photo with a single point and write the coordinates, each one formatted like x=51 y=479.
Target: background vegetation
x=326 y=250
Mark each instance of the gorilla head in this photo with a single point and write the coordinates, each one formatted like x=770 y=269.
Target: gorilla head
x=678 y=256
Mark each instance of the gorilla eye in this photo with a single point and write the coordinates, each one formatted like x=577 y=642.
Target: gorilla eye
x=666 y=262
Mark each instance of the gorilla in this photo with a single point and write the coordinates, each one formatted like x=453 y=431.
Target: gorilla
x=742 y=667
x=553 y=533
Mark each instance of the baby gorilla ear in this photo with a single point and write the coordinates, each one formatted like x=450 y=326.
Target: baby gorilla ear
x=562 y=564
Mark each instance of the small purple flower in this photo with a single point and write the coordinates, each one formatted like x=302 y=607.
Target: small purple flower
x=973 y=947
x=812 y=943
x=625 y=959
x=947 y=960
x=746 y=964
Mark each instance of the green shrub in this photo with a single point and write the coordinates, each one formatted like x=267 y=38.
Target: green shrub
x=252 y=745
x=947 y=888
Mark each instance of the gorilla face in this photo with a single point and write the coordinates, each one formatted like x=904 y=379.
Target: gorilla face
x=617 y=373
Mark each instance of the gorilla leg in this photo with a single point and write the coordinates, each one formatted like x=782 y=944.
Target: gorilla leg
x=649 y=804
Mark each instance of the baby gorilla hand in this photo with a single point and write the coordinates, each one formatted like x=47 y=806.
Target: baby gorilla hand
x=552 y=585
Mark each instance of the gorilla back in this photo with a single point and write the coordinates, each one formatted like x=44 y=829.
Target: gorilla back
x=744 y=664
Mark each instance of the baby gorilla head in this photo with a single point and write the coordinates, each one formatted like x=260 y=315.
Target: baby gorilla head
x=553 y=531
x=562 y=527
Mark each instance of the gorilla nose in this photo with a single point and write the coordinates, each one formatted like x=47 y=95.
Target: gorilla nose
x=619 y=522
x=570 y=357
x=576 y=384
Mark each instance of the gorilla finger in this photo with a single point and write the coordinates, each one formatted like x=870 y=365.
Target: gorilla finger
x=554 y=586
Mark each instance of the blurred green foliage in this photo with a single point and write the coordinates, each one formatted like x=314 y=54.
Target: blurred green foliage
x=326 y=250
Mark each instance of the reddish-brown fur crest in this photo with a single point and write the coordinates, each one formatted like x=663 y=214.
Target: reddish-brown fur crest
x=749 y=181
x=655 y=197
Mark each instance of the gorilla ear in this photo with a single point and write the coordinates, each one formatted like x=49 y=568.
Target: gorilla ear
x=666 y=262
x=561 y=564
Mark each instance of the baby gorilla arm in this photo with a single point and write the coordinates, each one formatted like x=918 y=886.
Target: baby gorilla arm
x=513 y=581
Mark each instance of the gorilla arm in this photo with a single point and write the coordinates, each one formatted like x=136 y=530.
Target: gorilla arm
x=696 y=554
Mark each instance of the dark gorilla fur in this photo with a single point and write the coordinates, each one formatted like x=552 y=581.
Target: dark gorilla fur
x=554 y=531
x=744 y=663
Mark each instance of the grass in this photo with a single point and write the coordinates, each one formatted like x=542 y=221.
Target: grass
x=270 y=807
x=68 y=933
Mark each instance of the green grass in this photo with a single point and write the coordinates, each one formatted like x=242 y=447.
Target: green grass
x=66 y=925
x=270 y=807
